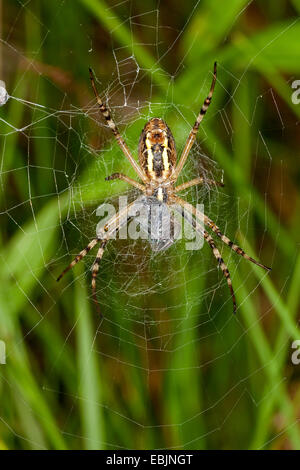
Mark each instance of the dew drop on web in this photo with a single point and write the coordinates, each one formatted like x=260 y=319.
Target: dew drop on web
x=3 y=93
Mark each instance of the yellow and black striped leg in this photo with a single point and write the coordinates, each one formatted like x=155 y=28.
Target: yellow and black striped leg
x=222 y=265
x=95 y=271
x=232 y=245
x=215 y=250
x=113 y=226
x=192 y=136
x=79 y=257
x=207 y=221
x=102 y=106
x=122 y=144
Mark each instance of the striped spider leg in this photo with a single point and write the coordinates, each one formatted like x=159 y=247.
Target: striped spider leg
x=199 y=229
x=207 y=221
x=121 y=142
x=111 y=228
x=192 y=136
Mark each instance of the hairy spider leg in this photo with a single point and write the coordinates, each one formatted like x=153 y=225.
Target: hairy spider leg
x=112 y=226
x=122 y=144
x=216 y=253
x=192 y=136
x=216 y=229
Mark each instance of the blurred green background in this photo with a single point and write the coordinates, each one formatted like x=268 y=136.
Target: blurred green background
x=168 y=366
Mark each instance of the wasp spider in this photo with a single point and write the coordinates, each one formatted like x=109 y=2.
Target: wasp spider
x=158 y=173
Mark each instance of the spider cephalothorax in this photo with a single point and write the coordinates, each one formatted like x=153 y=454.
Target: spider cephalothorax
x=158 y=172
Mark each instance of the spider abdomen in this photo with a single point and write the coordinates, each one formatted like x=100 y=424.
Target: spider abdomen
x=157 y=151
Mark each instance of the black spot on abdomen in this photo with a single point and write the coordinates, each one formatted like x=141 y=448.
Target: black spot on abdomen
x=157 y=152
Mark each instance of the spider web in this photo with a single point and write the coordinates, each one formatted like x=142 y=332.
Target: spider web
x=167 y=317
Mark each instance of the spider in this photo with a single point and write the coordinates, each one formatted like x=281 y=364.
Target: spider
x=158 y=172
